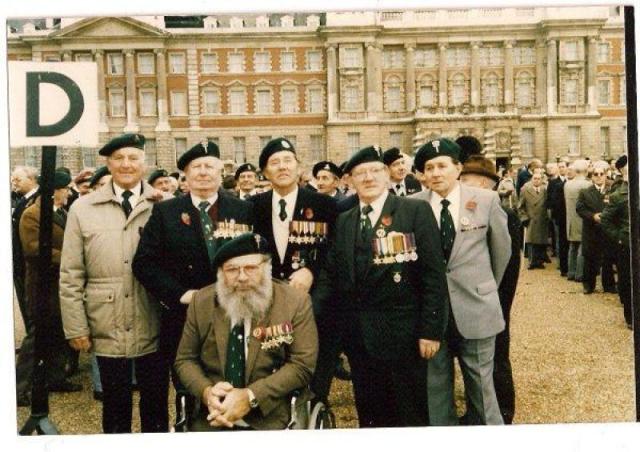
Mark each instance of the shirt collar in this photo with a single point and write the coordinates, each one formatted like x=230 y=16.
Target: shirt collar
x=453 y=196
x=290 y=199
x=31 y=192
x=378 y=204
x=196 y=200
x=119 y=190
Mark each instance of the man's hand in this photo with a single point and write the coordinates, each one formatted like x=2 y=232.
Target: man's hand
x=212 y=397
x=428 y=348
x=301 y=279
x=80 y=344
x=234 y=407
x=597 y=217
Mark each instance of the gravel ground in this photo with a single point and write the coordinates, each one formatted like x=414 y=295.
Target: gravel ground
x=572 y=358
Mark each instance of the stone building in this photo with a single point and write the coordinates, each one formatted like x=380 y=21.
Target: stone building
x=527 y=82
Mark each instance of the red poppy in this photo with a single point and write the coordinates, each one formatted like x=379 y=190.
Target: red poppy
x=186 y=219
x=308 y=213
x=470 y=205
x=386 y=221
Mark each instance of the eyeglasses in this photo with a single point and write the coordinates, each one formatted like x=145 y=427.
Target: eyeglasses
x=233 y=271
x=361 y=174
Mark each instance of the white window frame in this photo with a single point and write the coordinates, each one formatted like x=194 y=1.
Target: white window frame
x=395 y=139
x=259 y=93
x=393 y=102
x=205 y=93
x=291 y=65
x=528 y=141
x=605 y=140
x=177 y=63
x=264 y=139
x=458 y=56
x=574 y=140
x=154 y=104
x=524 y=55
x=151 y=152
x=262 y=61
x=351 y=57
x=239 y=149
x=569 y=54
x=353 y=142
x=571 y=97
x=393 y=58
x=231 y=58
x=179 y=108
x=607 y=100
x=352 y=98
x=458 y=90
x=209 y=67
x=604 y=52
x=425 y=57
x=315 y=105
x=115 y=63
x=242 y=102
x=180 y=145
x=316 y=147
x=83 y=57
x=112 y=104
x=313 y=63
x=292 y=104
x=150 y=70
x=524 y=85
x=421 y=100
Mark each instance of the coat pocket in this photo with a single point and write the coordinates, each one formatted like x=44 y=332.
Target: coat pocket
x=487 y=287
x=100 y=308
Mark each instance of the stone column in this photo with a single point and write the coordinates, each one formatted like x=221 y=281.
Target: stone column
x=410 y=86
x=508 y=75
x=193 y=90
x=475 y=73
x=373 y=80
x=332 y=82
x=541 y=76
x=161 y=77
x=66 y=55
x=98 y=56
x=442 y=77
x=132 y=104
x=592 y=86
x=552 y=76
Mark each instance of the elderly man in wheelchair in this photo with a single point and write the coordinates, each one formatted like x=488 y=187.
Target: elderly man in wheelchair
x=249 y=346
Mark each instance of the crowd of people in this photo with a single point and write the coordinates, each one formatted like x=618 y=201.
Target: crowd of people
x=239 y=289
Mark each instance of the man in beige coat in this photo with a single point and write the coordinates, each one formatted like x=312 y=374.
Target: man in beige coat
x=533 y=214
x=248 y=342
x=104 y=308
x=572 y=189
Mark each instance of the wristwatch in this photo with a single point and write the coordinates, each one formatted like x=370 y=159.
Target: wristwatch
x=253 y=402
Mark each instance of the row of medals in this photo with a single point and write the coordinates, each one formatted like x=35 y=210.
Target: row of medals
x=308 y=232
x=229 y=229
x=397 y=247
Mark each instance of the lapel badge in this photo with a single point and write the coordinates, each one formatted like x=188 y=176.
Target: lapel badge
x=471 y=205
x=186 y=219
x=259 y=333
x=464 y=221
x=380 y=233
x=308 y=213
x=397 y=277
x=436 y=145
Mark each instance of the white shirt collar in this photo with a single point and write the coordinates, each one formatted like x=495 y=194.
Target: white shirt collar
x=377 y=206
x=290 y=199
x=196 y=200
x=31 y=192
x=454 y=197
x=137 y=190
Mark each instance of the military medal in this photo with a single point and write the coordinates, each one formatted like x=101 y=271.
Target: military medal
x=398 y=245
x=397 y=278
x=381 y=233
x=464 y=221
x=258 y=333
x=412 y=241
x=375 y=244
x=295 y=260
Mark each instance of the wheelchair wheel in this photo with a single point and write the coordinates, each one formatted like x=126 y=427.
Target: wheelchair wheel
x=321 y=418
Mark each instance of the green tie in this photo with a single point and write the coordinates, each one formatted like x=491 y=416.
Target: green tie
x=447 y=229
x=234 y=367
x=207 y=229
x=365 y=222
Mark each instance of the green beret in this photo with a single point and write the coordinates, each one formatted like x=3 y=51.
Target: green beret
x=326 y=165
x=436 y=148
x=157 y=174
x=128 y=140
x=99 y=174
x=244 y=168
x=368 y=154
x=391 y=155
x=273 y=146
x=198 y=151
x=60 y=180
x=242 y=245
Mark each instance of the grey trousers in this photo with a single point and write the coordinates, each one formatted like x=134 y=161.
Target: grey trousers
x=476 y=361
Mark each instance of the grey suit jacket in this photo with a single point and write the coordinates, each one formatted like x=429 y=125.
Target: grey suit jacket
x=572 y=189
x=479 y=257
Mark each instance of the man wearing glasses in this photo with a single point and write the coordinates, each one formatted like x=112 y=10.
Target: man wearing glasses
x=249 y=341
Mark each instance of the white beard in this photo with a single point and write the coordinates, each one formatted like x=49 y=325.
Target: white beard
x=252 y=304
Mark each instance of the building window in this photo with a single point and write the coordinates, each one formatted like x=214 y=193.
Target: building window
x=314 y=60
x=116 y=102
x=32 y=156
x=527 y=142
x=146 y=64
x=426 y=96
x=264 y=140
x=236 y=62
x=209 y=63
x=178 y=103
x=524 y=91
x=211 y=101
x=150 y=152
x=351 y=57
x=574 y=140
x=352 y=98
x=571 y=50
x=287 y=61
x=180 y=145
x=523 y=55
x=395 y=139
x=317 y=148
x=238 y=101
x=490 y=90
x=292 y=139
x=604 y=141
x=264 y=104
x=458 y=91
x=148 y=102
x=289 y=100
x=315 y=103
x=393 y=98
x=261 y=62
x=89 y=159
x=623 y=90
x=353 y=142
x=115 y=64
x=603 y=52
x=425 y=58
x=239 y=150
x=604 y=92
x=83 y=58
x=491 y=56
x=177 y=63
x=458 y=56
x=571 y=92
x=393 y=58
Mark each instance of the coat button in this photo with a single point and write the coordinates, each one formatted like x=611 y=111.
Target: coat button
x=126 y=295
x=190 y=267
x=126 y=262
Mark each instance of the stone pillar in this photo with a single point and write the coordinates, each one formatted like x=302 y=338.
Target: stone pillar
x=410 y=86
x=66 y=55
x=508 y=75
x=475 y=73
x=193 y=90
x=161 y=75
x=132 y=104
x=374 y=79
x=98 y=56
x=552 y=76
x=332 y=82
x=592 y=87
x=442 y=77
x=541 y=76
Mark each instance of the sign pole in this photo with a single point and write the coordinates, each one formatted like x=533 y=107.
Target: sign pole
x=39 y=420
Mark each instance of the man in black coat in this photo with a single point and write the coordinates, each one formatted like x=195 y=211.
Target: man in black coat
x=595 y=245
x=178 y=242
x=400 y=183
x=393 y=301
x=556 y=204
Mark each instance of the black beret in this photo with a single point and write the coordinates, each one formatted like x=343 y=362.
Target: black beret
x=175 y=175
x=368 y=154
x=436 y=148
x=622 y=162
x=244 y=168
x=248 y=243
x=326 y=165
x=60 y=179
x=157 y=174
x=198 y=151
x=128 y=140
x=99 y=174
x=391 y=155
x=273 y=146
x=469 y=145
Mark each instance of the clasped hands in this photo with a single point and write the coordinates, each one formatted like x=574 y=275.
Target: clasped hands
x=226 y=404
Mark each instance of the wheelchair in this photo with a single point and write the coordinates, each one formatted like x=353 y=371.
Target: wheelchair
x=305 y=413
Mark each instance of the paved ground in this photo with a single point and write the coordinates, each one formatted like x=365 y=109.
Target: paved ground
x=572 y=358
